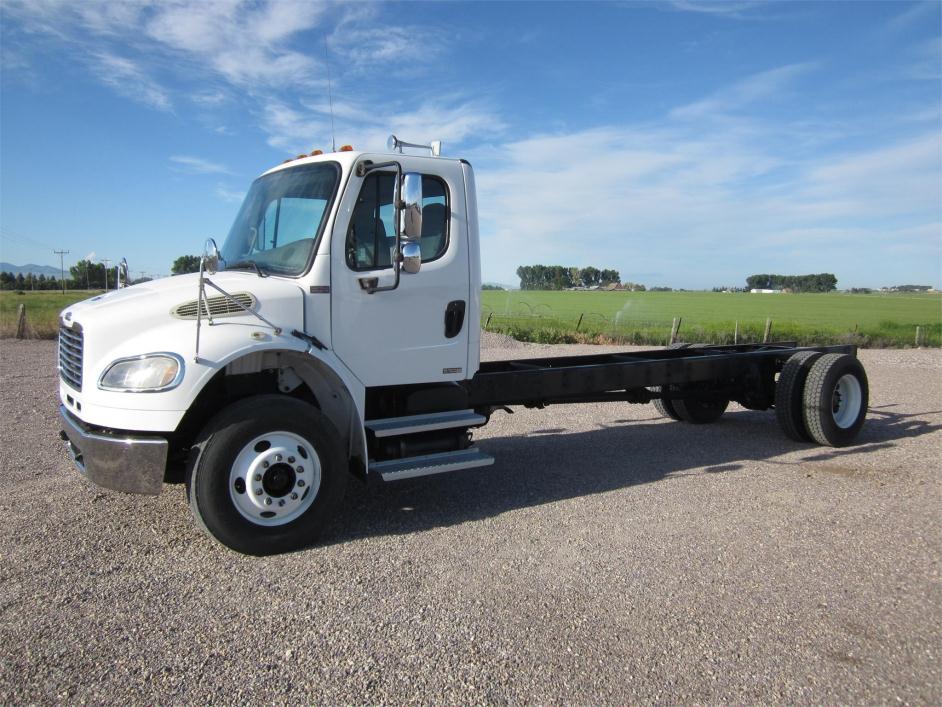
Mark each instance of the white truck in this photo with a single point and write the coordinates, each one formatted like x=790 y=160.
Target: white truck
x=336 y=333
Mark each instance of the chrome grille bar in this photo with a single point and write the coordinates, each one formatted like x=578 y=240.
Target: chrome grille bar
x=71 y=344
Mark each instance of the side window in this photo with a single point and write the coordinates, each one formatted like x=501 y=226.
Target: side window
x=371 y=238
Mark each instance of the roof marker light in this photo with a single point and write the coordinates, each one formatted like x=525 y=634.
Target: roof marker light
x=315 y=153
x=346 y=148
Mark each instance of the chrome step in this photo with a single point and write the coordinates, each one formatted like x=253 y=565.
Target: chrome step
x=394 y=469
x=410 y=424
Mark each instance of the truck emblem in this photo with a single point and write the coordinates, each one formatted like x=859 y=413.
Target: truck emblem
x=446 y=371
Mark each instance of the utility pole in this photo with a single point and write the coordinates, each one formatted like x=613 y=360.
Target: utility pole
x=107 y=262
x=61 y=254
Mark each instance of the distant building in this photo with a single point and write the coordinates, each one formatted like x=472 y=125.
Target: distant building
x=765 y=292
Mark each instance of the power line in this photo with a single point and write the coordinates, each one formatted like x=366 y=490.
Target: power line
x=62 y=254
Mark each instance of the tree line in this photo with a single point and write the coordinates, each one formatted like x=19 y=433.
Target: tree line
x=559 y=277
x=821 y=282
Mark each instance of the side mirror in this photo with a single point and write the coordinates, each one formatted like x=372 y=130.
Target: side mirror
x=411 y=206
x=210 y=260
x=411 y=257
x=123 y=275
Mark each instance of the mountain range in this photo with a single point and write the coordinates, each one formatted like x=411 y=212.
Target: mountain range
x=46 y=270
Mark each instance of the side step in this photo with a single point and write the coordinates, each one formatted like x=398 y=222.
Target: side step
x=410 y=424
x=427 y=464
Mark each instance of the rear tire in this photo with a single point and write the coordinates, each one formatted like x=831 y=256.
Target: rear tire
x=700 y=412
x=835 y=399
x=268 y=474
x=665 y=407
x=789 y=395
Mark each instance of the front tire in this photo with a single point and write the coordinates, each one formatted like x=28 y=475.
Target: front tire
x=269 y=473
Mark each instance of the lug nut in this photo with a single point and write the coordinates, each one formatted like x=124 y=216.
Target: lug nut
x=294 y=497
x=291 y=460
x=277 y=457
x=300 y=469
x=267 y=501
x=258 y=477
x=258 y=492
x=281 y=502
x=301 y=482
x=264 y=465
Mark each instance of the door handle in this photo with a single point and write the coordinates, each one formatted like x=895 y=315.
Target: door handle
x=454 y=318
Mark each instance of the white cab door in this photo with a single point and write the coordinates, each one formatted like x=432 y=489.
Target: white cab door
x=410 y=334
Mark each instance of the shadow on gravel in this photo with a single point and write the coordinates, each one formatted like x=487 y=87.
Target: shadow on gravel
x=540 y=468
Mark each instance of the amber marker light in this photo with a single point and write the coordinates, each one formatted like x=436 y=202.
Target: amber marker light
x=315 y=153
x=346 y=148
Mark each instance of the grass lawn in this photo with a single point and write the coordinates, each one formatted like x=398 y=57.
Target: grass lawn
x=42 y=310
x=645 y=317
x=639 y=317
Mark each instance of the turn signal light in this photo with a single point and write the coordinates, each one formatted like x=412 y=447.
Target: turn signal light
x=346 y=148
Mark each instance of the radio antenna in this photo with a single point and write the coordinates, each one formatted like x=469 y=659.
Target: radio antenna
x=330 y=99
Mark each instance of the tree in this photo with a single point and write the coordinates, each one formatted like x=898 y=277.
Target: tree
x=88 y=274
x=591 y=276
x=185 y=264
x=607 y=277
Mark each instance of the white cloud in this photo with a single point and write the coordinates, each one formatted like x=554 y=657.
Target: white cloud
x=453 y=120
x=128 y=79
x=198 y=165
x=690 y=200
x=229 y=195
x=764 y=86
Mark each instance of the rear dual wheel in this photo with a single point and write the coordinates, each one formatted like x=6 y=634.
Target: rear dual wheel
x=692 y=409
x=822 y=398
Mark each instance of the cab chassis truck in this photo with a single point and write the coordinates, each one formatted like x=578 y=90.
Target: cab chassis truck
x=336 y=333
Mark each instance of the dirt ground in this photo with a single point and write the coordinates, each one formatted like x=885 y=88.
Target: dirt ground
x=608 y=556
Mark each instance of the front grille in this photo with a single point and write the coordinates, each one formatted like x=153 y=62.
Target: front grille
x=218 y=306
x=71 y=343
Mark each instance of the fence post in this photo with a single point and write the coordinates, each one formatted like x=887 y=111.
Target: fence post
x=675 y=330
x=768 y=330
x=736 y=333
x=918 y=333
x=490 y=314
x=21 y=322
x=579 y=323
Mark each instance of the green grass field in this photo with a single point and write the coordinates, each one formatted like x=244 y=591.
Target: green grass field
x=42 y=310
x=640 y=317
x=646 y=317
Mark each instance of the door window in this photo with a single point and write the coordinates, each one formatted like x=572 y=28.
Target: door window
x=371 y=238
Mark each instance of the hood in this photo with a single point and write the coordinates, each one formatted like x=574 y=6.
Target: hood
x=147 y=317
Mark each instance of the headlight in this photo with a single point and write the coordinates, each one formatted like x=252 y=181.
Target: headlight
x=149 y=373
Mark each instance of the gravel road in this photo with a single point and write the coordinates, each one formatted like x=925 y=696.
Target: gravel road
x=609 y=556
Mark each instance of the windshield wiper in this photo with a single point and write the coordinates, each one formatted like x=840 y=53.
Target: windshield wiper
x=242 y=264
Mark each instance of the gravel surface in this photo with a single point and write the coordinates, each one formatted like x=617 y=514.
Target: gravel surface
x=609 y=556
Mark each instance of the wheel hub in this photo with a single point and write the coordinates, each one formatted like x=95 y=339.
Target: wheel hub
x=275 y=478
x=278 y=480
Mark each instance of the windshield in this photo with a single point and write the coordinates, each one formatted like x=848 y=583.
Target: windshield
x=281 y=218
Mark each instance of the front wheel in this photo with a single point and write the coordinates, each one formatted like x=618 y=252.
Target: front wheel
x=269 y=473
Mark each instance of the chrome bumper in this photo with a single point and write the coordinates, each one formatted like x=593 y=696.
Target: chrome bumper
x=129 y=464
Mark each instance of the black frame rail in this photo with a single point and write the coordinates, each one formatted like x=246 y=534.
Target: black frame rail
x=720 y=370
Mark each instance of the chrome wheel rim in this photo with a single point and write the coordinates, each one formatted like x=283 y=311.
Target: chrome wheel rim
x=846 y=401
x=275 y=478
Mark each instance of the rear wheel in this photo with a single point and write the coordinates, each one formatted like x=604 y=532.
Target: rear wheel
x=700 y=412
x=269 y=473
x=789 y=395
x=665 y=407
x=835 y=399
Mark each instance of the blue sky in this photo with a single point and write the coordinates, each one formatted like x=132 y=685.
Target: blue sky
x=686 y=144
